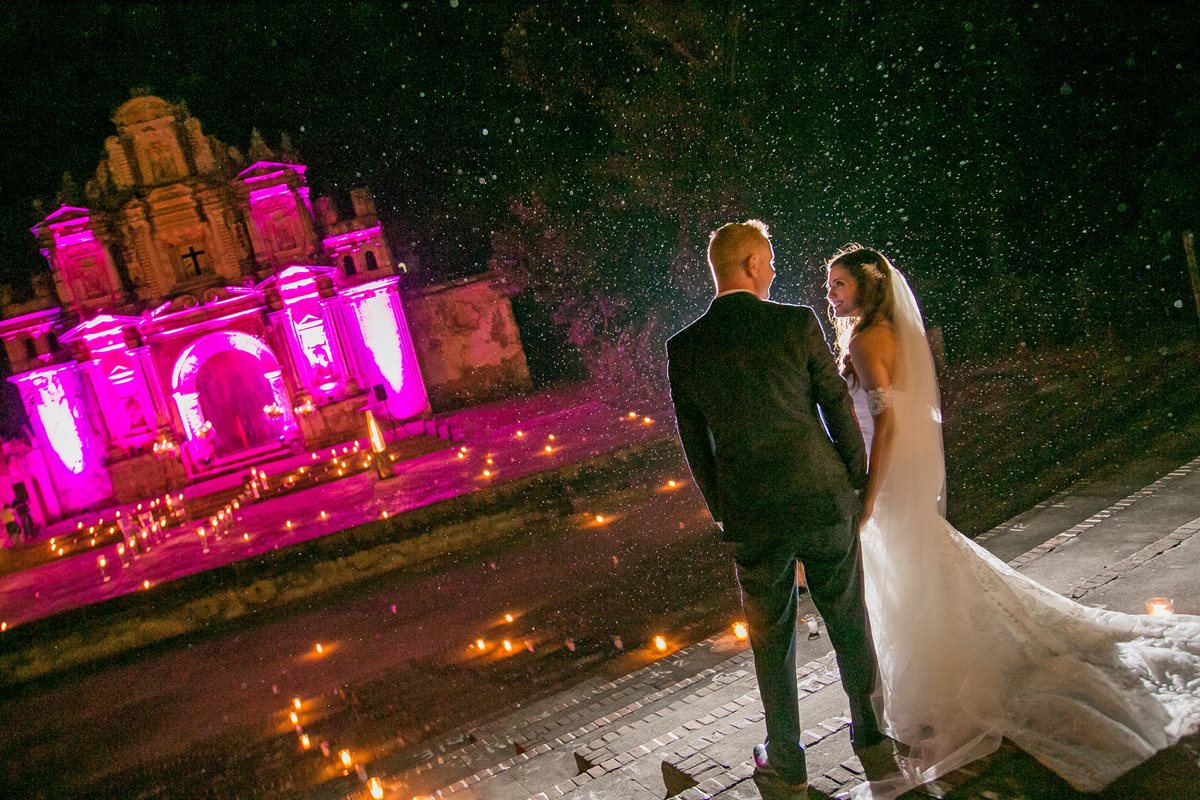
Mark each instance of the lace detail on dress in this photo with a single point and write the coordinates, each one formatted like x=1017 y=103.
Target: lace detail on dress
x=879 y=400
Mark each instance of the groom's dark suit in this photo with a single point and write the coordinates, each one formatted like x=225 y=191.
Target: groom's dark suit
x=747 y=380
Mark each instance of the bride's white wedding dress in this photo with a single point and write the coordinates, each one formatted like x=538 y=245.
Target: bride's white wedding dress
x=971 y=651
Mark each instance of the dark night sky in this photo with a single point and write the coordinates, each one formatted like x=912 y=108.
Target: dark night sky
x=1013 y=133
x=392 y=95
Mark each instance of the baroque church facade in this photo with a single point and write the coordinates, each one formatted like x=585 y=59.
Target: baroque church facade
x=205 y=313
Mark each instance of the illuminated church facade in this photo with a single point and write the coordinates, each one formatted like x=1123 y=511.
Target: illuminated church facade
x=205 y=313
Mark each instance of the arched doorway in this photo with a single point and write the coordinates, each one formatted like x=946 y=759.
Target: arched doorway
x=232 y=393
x=224 y=384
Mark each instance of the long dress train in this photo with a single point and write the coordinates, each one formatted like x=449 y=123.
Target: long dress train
x=971 y=651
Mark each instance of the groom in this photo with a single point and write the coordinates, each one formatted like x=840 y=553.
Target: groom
x=769 y=432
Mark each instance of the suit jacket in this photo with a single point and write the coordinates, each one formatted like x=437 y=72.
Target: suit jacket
x=751 y=381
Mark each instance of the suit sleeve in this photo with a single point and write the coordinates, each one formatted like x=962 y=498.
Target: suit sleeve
x=833 y=398
x=695 y=438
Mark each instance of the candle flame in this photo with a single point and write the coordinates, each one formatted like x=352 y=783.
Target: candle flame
x=1160 y=607
x=660 y=643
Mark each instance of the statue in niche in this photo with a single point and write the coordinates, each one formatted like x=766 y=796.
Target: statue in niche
x=162 y=166
x=284 y=233
x=136 y=415
x=322 y=366
x=90 y=280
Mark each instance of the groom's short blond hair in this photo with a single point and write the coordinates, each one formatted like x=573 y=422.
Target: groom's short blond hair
x=730 y=244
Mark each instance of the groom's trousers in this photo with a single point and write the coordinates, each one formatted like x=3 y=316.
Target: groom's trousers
x=833 y=569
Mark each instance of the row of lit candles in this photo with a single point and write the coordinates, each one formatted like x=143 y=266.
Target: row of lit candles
x=374 y=784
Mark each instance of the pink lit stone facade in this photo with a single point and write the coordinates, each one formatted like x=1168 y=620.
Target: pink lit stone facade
x=205 y=314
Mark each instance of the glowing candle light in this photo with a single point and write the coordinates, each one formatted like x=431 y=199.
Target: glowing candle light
x=294 y=718
x=490 y=461
x=384 y=514
x=647 y=421
x=296 y=703
x=376 y=787
x=345 y=757
x=146 y=584
x=320 y=648
x=549 y=449
x=1159 y=607
x=632 y=415
x=324 y=515
x=305 y=742
x=102 y=561
x=245 y=537
x=480 y=644
x=3 y=626
x=487 y=473
x=462 y=455
x=551 y=437
x=660 y=643
x=507 y=646
x=672 y=483
x=739 y=630
x=520 y=434
x=288 y=524
x=507 y=617
x=600 y=518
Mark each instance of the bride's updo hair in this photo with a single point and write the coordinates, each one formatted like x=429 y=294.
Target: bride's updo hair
x=872 y=273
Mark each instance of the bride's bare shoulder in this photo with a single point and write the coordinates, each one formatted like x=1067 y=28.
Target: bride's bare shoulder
x=877 y=340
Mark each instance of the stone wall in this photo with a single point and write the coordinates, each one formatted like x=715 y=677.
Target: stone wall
x=467 y=342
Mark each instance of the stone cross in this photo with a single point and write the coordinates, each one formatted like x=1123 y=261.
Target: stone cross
x=194 y=255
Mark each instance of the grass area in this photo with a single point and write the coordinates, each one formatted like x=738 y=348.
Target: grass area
x=1019 y=429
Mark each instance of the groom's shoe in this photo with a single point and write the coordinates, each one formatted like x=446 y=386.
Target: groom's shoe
x=878 y=760
x=771 y=785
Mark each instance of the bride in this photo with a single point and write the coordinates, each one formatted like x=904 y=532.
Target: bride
x=970 y=651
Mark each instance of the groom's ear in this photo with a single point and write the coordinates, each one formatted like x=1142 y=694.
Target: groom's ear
x=751 y=265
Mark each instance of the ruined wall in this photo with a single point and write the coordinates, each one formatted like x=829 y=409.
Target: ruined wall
x=467 y=342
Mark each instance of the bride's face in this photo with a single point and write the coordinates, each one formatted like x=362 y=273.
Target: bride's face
x=842 y=293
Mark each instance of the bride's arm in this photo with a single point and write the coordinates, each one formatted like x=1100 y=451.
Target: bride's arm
x=872 y=352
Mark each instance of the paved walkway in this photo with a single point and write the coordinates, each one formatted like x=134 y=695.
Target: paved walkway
x=684 y=725
x=494 y=444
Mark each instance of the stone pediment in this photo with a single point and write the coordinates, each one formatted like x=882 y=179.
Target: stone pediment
x=172 y=193
x=267 y=169
x=142 y=109
x=64 y=213
x=99 y=324
x=210 y=296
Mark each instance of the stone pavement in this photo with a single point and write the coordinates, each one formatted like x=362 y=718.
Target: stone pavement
x=684 y=724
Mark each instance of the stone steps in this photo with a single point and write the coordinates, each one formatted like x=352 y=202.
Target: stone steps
x=561 y=723
x=684 y=726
